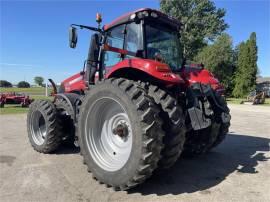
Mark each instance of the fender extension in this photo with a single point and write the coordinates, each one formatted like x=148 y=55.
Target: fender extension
x=202 y=102
x=73 y=100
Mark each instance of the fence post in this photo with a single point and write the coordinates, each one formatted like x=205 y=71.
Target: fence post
x=46 y=85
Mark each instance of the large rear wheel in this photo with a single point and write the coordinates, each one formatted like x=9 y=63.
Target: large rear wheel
x=120 y=133
x=66 y=119
x=173 y=125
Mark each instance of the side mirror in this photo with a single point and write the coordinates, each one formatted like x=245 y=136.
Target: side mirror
x=73 y=38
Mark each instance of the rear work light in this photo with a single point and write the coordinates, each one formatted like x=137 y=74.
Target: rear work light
x=143 y=14
x=133 y=16
x=154 y=15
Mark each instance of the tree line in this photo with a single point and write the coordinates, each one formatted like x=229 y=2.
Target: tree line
x=22 y=84
x=204 y=41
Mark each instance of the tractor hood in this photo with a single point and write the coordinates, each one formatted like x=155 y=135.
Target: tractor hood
x=73 y=84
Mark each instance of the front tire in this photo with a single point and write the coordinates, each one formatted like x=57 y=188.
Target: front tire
x=120 y=133
x=44 y=130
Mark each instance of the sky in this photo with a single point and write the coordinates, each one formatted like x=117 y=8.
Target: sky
x=34 y=34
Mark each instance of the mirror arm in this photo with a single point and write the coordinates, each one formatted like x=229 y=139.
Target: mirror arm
x=87 y=27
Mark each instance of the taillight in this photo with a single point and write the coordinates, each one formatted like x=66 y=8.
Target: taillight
x=163 y=68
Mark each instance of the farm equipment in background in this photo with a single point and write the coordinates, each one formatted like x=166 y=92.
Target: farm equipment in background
x=15 y=98
x=256 y=97
x=135 y=107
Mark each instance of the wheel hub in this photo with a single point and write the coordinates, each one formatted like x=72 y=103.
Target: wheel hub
x=121 y=130
x=109 y=134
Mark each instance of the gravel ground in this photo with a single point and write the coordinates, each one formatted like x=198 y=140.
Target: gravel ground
x=237 y=170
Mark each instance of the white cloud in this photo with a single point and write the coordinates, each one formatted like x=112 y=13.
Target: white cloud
x=17 y=65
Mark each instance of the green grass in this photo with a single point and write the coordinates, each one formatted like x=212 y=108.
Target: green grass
x=267 y=102
x=29 y=91
x=239 y=100
x=13 y=109
x=235 y=100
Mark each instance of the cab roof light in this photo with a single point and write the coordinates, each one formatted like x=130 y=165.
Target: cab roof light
x=154 y=15
x=98 y=18
x=142 y=14
x=133 y=16
x=145 y=13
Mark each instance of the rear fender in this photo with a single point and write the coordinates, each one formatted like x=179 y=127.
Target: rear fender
x=157 y=70
x=202 y=102
x=193 y=75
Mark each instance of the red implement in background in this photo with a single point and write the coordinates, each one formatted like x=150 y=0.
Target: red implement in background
x=15 y=98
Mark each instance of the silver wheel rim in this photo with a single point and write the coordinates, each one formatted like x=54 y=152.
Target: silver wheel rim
x=110 y=150
x=38 y=127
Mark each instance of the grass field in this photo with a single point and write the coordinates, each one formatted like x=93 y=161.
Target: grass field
x=29 y=91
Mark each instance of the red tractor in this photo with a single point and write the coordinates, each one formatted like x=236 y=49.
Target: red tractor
x=136 y=106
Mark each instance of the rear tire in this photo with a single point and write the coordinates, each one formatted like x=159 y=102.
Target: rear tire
x=110 y=102
x=44 y=130
x=65 y=115
x=224 y=127
x=202 y=141
x=173 y=125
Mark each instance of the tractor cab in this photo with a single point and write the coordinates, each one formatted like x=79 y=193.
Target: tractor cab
x=143 y=43
x=140 y=45
x=146 y=34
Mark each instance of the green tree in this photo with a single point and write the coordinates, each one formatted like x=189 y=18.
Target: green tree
x=5 y=84
x=253 y=57
x=201 y=20
x=23 y=84
x=219 y=59
x=246 y=72
x=39 y=80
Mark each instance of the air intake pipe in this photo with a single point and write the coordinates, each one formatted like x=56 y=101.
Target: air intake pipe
x=92 y=59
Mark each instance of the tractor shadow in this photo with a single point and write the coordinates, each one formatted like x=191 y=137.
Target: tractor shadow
x=67 y=148
x=240 y=153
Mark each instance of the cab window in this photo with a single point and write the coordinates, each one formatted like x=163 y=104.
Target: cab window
x=115 y=39
x=130 y=34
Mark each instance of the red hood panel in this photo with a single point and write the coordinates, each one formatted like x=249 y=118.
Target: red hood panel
x=74 y=83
